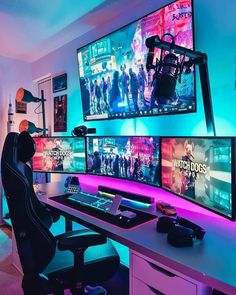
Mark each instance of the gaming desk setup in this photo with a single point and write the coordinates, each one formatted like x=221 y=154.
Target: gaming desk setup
x=115 y=84
x=196 y=169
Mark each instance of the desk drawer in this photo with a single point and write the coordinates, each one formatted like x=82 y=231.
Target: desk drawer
x=139 y=288
x=160 y=279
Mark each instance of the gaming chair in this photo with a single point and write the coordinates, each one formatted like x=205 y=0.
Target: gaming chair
x=50 y=263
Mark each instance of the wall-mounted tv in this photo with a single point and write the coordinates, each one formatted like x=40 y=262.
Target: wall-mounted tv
x=129 y=157
x=59 y=154
x=113 y=80
x=201 y=170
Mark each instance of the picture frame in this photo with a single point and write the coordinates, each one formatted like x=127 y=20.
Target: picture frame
x=21 y=107
x=60 y=113
x=59 y=83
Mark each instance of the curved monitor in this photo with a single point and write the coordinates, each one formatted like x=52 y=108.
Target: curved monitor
x=129 y=157
x=200 y=170
x=59 y=154
x=114 y=82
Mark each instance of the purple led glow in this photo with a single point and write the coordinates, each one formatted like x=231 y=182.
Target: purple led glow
x=91 y=182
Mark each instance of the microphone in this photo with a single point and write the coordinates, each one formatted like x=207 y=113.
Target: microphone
x=150 y=43
x=167 y=71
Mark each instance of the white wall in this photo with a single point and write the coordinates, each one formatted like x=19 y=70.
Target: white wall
x=214 y=34
x=65 y=59
x=13 y=74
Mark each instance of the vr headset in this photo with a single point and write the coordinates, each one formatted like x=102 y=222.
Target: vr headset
x=181 y=232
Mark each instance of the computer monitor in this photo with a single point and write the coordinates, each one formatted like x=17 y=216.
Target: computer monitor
x=129 y=157
x=59 y=154
x=114 y=82
x=200 y=169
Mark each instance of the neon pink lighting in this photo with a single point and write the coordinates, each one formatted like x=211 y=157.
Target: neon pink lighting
x=91 y=183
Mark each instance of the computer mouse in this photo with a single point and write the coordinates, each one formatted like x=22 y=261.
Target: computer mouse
x=128 y=214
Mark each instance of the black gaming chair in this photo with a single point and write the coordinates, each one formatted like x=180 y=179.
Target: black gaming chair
x=50 y=264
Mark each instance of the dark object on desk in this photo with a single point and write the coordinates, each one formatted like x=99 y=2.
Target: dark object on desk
x=128 y=214
x=82 y=130
x=180 y=236
x=180 y=231
x=72 y=185
x=118 y=220
x=127 y=195
x=50 y=264
x=165 y=208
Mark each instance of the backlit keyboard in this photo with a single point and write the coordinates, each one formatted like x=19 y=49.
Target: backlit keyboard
x=96 y=202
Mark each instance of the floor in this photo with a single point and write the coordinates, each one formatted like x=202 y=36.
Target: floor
x=10 y=277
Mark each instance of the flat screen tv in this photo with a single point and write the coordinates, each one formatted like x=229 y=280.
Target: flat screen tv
x=59 y=154
x=129 y=157
x=200 y=170
x=113 y=80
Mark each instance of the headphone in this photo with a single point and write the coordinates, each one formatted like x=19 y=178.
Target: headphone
x=181 y=231
x=80 y=131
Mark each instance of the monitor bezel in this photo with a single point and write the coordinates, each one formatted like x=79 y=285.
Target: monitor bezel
x=123 y=178
x=233 y=174
x=64 y=172
x=146 y=115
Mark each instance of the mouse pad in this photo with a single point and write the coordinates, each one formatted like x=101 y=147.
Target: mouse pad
x=118 y=220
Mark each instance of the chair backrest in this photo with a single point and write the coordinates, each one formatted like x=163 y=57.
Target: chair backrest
x=36 y=245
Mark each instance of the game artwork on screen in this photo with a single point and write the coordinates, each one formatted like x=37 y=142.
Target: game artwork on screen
x=135 y=158
x=114 y=82
x=200 y=170
x=60 y=155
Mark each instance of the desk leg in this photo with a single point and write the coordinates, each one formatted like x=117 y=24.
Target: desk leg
x=68 y=224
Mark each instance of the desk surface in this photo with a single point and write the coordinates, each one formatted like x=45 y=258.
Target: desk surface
x=211 y=261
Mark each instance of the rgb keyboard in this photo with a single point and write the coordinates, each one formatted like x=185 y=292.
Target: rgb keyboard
x=96 y=202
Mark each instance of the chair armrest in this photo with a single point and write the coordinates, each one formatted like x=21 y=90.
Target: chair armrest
x=80 y=239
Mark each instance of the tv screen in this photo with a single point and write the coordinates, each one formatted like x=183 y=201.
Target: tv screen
x=199 y=169
x=129 y=157
x=59 y=154
x=114 y=82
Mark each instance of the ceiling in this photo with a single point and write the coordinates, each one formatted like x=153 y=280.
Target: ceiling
x=31 y=29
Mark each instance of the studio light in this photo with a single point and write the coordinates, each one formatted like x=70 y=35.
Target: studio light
x=168 y=70
x=23 y=95
x=28 y=126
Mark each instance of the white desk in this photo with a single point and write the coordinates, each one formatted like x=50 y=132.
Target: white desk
x=211 y=262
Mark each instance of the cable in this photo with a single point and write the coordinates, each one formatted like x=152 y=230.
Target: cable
x=37 y=113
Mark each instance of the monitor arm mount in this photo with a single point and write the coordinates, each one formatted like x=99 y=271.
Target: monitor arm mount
x=195 y=58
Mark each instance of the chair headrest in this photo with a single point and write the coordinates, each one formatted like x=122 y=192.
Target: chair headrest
x=26 y=147
x=9 y=153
